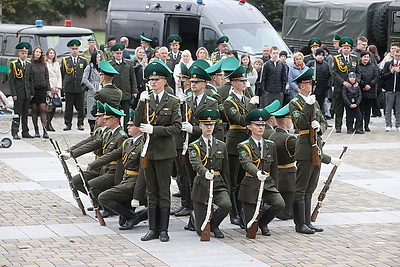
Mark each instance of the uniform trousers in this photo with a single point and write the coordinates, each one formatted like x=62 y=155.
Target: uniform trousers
x=338 y=108
x=74 y=100
x=120 y=193
x=21 y=107
x=307 y=176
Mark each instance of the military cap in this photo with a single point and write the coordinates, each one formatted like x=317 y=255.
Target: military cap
x=91 y=38
x=208 y=116
x=145 y=39
x=283 y=112
x=305 y=76
x=215 y=69
x=314 y=42
x=239 y=74
x=346 y=41
x=336 y=37
x=274 y=106
x=223 y=40
x=107 y=68
x=201 y=63
x=110 y=37
x=118 y=48
x=23 y=46
x=157 y=70
x=198 y=74
x=131 y=117
x=184 y=71
x=112 y=112
x=257 y=116
x=230 y=64
x=74 y=43
x=100 y=108
x=174 y=39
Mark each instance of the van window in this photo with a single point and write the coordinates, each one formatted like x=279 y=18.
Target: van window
x=1 y=43
x=292 y=11
x=210 y=38
x=12 y=42
x=29 y=40
x=59 y=43
x=312 y=13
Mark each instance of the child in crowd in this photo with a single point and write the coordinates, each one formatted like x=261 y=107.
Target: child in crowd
x=352 y=98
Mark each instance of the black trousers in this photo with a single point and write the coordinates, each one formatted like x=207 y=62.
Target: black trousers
x=365 y=107
x=351 y=114
x=74 y=100
x=21 y=107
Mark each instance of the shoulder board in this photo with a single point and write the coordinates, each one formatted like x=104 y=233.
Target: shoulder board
x=14 y=61
x=194 y=142
x=122 y=132
x=66 y=57
x=229 y=98
x=269 y=141
x=244 y=142
x=28 y=61
x=337 y=56
x=81 y=57
x=169 y=52
x=210 y=98
x=171 y=95
x=294 y=99
x=213 y=91
x=352 y=55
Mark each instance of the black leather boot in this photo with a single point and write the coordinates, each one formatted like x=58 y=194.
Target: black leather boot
x=214 y=224
x=191 y=223
x=187 y=203
x=153 y=232
x=164 y=222
x=234 y=213
x=308 y=216
x=107 y=213
x=265 y=218
x=299 y=218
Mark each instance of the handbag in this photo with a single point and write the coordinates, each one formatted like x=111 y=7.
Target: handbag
x=56 y=101
x=84 y=87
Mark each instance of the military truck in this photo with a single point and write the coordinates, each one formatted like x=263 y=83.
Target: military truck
x=378 y=20
x=199 y=23
x=56 y=37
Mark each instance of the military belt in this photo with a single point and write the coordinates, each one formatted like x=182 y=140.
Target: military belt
x=304 y=132
x=215 y=173
x=249 y=175
x=131 y=172
x=237 y=127
x=286 y=166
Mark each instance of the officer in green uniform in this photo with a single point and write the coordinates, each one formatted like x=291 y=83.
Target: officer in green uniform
x=343 y=64
x=174 y=55
x=335 y=42
x=301 y=109
x=125 y=80
x=236 y=108
x=109 y=93
x=164 y=120
x=72 y=68
x=285 y=148
x=228 y=65
x=271 y=122
x=87 y=54
x=146 y=44
x=314 y=44
x=22 y=90
x=209 y=159
x=259 y=159
x=221 y=51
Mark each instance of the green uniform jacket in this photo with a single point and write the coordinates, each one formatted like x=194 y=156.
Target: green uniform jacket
x=109 y=94
x=149 y=52
x=108 y=55
x=251 y=161
x=215 y=57
x=72 y=74
x=268 y=131
x=217 y=161
x=21 y=80
x=166 y=119
x=223 y=90
x=97 y=135
x=87 y=54
x=126 y=79
x=285 y=148
x=301 y=113
x=341 y=70
x=174 y=61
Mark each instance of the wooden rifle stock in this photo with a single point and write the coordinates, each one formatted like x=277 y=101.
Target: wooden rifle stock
x=206 y=233
x=185 y=155
x=315 y=158
x=145 y=157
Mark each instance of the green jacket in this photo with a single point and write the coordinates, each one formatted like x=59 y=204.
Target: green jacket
x=21 y=80
x=109 y=94
x=87 y=54
x=126 y=79
x=268 y=131
x=341 y=70
x=223 y=90
x=72 y=74
x=97 y=135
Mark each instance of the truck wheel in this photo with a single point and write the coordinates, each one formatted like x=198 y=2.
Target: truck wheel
x=379 y=23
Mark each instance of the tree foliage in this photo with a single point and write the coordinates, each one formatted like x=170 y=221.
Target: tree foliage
x=272 y=10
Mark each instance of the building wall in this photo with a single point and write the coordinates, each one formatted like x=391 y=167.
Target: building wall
x=94 y=20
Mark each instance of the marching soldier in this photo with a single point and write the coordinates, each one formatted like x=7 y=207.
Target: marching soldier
x=164 y=121
x=259 y=159
x=285 y=148
x=222 y=49
x=271 y=122
x=314 y=44
x=22 y=90
x=209 y=159
x=302 y=107
x=174 y=55
x=228 y=65
x=72 y=68
x=146 y=44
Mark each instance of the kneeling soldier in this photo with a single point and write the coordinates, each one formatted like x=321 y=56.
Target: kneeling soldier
x=209 y=159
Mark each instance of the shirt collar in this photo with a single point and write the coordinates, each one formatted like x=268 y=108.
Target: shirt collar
x=238 y=95
x=206 y=140
x=116 y=128
x=160 y=95
x=199 y=98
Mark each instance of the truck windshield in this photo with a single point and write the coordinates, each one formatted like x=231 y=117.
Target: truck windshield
x=59 y=43
x=251 y=38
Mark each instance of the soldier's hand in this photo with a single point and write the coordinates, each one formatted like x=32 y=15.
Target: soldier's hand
x=146 y=128
x=144 y=96
x=315 y=125
x=310 y=99
x=135 y=203
x=261 y=176
x=255 y=100
x=182 y=98
x=82 y=167
x=187 y=127
x=65 y=155
x=209 y=175
x=336 y=161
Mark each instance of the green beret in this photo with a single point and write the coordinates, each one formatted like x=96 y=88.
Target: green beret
x=112 y=112
x=230 y=64
x=223 y=40
x=145 y=39
x=257 y=116
x=305 y=76
x=198 y=74
x=201 y=63
x=174 y=39
x=239 y=74
x=346 y=41
x=107 y=68
x=314 y=42
x=74 y=43
x=157 y=70
x=131 y=117
x=91 y=38
x=23 y=46
x=118 y=47
x=283 y=112
x=100 y=108
x=215 y=69
x=274 y=106
x=336 y=37
x=208 y=116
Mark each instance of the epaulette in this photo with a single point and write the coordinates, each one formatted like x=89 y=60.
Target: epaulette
x=66 y=57
x=81 y=57
x=229 y=98
x=213 y=91
x=294 y=99
x=269 y=141
x=352 y=55
x=174 y=96
x=194 y=142
x=210 y=98
x=14 y=61
x=244 y=142
x=122 y=132
x=337 y=56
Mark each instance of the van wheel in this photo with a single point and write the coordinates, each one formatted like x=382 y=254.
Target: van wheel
x=379 y=24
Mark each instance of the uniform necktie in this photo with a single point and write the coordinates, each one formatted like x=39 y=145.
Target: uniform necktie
x=242 y=99
x=195 y=101
x=259 y=147
x=209 y=147
x=347 y=59
x=23 y=64
x=157 y=100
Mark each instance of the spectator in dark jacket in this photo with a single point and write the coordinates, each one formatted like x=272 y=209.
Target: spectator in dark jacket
x=352 y=99
x=368 y=82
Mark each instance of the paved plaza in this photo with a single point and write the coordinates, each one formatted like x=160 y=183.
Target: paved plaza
x=40 y=224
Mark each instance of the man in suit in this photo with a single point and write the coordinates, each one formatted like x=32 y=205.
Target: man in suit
x=175 y=54
x=163 y=56
x=222 y=49
x=22 y=90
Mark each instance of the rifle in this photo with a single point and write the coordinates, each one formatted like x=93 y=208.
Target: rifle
x=206 y=227
x=88 y=190
x=185 y=156
x=327 y=138
x=75 y=193
x=144 y=155
x=328 y=183
x=315 y=151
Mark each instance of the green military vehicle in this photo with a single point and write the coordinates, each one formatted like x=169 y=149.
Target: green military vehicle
x=378 y=20
x=56 y=37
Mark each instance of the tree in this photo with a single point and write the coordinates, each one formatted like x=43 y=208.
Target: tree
x=272 y=10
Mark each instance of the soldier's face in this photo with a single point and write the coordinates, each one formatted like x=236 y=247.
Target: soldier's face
x=112 y=122
x=158 y=85
x=100 y=120
x=336 y=45
x=305 y=88
x=223 y=48
x=314 y=49
x=92 y=44
x=207 y=129
x=239 y=85
x=197 y=87
x=186 y=83
x=257 y=130
x=346 y=50
x=23 y=55
x=218 y=79
x=74 y=51
x=133 y=130
x=175 y=47
x=117 y=55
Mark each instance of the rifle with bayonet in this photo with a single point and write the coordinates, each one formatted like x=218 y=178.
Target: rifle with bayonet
x=185 y=156
x=144 y=155
x=315 y=151
x=206 y=227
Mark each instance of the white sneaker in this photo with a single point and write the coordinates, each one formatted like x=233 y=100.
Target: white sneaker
x=398 y=129
x=388 y=129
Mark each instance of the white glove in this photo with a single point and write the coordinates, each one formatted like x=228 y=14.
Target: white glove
x=187 y=127
x=336 y=161
x=182 y=98
x=65 y=155
x=261 y=176
x=255 y=100
x=144 y=96
x=310 y=100
x=146 y=128
x=315 y=125
x=135 y=203
x=209 y=175
x=83 y=167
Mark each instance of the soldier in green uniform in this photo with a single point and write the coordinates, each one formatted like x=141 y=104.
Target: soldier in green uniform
x=111 y=41
x=164 y=121
x=314 y=44
x=258 y=158
x=125 y=80
x=221 y=51
x=22 y=90
x=285 y=148
x=146 y=44
x=174 y=55
x=72 y=68
x=236 y=108
x=335 y=42
x=228 y=65
x=209 y=159
x=271 y=122
x=87 y=54
x=301 y=109
x=343 y=64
